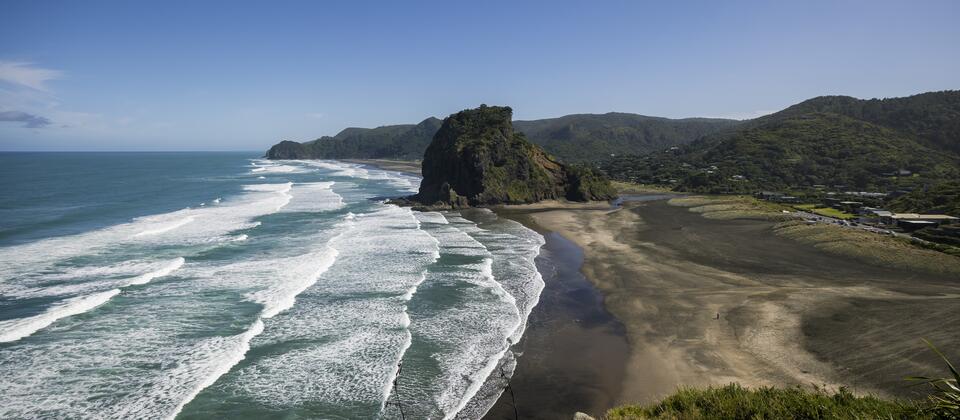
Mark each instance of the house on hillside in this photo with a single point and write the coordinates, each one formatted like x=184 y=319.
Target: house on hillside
x=914 y=221
x=769 y=195
x=874 y=215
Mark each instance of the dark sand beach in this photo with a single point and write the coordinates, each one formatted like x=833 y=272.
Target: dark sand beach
x=573 y=352
x=789 y=313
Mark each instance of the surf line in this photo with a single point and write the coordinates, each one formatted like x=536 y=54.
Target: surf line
x=268 y=311
x=480 y=378
x=405 y=321
x=16 y=329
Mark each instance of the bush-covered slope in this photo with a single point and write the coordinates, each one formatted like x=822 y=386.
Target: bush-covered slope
x=582 y=137
x=803 y=150
x=939 y=198
x=476 y=158
x=932 y=118
x=833 y=141
x=403 y=142
x=590 y=137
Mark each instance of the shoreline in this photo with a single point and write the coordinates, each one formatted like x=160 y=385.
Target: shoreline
x=571 y=357
x=708 y=302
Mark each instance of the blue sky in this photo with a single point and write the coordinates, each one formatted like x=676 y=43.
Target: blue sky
x=170 y=75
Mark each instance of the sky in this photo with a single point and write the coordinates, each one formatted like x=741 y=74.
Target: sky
x=172 y=75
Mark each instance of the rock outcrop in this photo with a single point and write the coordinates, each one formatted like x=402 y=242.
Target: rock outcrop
x=288 y=150
x=476 y=158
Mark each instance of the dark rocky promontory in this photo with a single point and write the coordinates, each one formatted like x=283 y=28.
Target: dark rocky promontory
x=288 y=150
x=476 y=158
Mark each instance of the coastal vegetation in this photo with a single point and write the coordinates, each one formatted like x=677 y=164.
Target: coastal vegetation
x=733 y=207
x=889 y=145
x=801 y=151
x=943 y=197
x=591 y=137
x=402 y=142
x=624 y=187
x=476 y=158
x=571 y=138
x=736 y=402
x=825 y=211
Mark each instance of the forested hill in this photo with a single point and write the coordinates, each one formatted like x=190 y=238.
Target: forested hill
x=405 y=142
x=875 y=145
x=580 y=137
x=931 y=118
x=589 y=137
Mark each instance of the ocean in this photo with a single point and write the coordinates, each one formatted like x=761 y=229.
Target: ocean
x=197 y=285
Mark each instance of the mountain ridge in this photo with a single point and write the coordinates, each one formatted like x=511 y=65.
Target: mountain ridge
x=827 y=140
x=574 y=137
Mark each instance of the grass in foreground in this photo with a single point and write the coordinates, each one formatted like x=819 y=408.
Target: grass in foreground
x=735 y=402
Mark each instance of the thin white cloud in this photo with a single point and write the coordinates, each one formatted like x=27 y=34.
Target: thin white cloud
x=26 y=74
x=316 y=115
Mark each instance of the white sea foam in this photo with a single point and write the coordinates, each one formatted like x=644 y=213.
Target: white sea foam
x=158 y=348
x=166 y=227
x=314 y=197
x=273 y=168
x=15 y=329
x=354 y=318
x=304 y=272
x=224 y=354
x=200 y=225
x=163 y=271
x=479 y=329
x=91 y=279
x=404 y=182
x=331 y=308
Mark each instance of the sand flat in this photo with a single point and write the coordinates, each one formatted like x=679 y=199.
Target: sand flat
x=789 y=313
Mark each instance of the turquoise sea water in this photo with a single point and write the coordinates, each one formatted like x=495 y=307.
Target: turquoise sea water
x=197 y=285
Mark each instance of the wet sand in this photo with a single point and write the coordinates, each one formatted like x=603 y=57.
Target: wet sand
x=573 y=352
x=789 y=313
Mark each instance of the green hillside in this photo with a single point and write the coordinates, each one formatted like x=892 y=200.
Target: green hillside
x=931 y=118
x=590 y=137
x=404 y=142
x=826 y=141
x=939 y=198
x=582 y=137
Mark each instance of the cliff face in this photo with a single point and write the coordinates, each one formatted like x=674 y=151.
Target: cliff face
x=476 y=158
